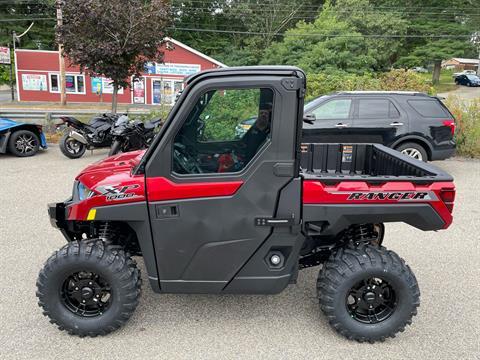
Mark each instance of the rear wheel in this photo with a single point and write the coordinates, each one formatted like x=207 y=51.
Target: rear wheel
x=71 y=148
x=89 y=288
x=23 y=143
x=413 y=150
x=367 y=293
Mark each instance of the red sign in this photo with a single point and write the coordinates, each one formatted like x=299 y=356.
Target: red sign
x=139 y=91
x=4 y=55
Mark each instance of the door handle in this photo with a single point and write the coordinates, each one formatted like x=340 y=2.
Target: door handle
x=340 y=125
x=396 y=123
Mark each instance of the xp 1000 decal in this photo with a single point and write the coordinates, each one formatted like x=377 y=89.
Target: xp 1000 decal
x=119 y=192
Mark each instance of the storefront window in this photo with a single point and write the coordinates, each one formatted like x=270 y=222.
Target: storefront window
x=80 y=84
x=75 y=84
x=165 y=91
x=54 y=83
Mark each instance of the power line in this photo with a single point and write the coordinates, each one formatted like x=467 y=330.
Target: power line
x=241 y=27
x=441 y=36
x=28 y=19
x=320 y=6
x=261 y=6
x=335 y=11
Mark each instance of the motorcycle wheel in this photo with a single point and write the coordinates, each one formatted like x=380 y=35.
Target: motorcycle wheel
x=115 y=149
x=71 y=148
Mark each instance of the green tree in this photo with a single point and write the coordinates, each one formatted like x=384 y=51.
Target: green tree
x=384 y=29
x=428 y=22
x=113 y=38
x=328 y=43
x=17 y=15
x=237 y=31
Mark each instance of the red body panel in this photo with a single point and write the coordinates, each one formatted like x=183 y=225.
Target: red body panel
x=114 y=174
x=113 y=182
x=160 y=189
x=315 y=192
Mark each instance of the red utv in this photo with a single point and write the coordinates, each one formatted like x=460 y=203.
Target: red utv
x=211 y=212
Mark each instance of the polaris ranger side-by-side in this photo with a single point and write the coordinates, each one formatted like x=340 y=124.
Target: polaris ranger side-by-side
x=213 y=213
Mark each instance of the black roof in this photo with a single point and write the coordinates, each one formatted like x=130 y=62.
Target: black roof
x=250 y=70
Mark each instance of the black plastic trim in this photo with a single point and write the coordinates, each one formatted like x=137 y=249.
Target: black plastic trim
x=339 y=217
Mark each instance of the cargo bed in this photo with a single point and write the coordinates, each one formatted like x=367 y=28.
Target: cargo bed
x=364 y=162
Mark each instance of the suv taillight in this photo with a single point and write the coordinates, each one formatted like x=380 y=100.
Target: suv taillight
x=451 y=125
x=448 y=198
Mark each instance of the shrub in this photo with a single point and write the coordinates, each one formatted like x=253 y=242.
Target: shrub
x=400 y=79
x=467 y=134
x=394 y=80
x=161 y=112
x=327 y=82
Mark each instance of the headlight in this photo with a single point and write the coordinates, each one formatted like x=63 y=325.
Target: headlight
x=84 y=192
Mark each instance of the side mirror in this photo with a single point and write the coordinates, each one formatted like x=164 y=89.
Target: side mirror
x=309 y=118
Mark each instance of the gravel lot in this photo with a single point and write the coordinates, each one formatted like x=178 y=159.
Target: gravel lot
x=288 y=325
x=464 y=92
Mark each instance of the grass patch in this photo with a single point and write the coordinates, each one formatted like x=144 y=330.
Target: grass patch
x=446 y=84
x=467 y=134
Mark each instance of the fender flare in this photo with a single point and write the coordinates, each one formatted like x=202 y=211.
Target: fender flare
x=415 y=138
x=136 y=215
x=4 y=141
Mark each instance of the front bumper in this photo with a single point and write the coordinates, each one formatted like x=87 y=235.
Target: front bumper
x=57 y=213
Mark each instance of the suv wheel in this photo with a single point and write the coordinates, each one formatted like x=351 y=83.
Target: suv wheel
x=413 y=150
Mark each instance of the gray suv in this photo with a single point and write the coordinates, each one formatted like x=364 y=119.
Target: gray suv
x=413 y=123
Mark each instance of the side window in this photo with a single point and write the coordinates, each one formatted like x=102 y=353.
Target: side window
x=376 y=109
x=224 y=131
x=429 y=108
x=333 y=109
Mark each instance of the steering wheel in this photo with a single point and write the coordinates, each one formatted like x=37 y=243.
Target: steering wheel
x=183 y=161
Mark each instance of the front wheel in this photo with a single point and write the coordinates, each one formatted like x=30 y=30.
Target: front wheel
x=89 y=288
x=23 y=143
x=115 y=149
x=71 y=148
x=367 y=293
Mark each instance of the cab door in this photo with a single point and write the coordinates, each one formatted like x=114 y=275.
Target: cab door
x=212 y=195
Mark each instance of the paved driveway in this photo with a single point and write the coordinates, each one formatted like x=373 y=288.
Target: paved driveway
x=464 y=92
x=288 y=325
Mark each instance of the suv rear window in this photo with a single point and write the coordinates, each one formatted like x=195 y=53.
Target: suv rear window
x=376 y=109
x=428 y=108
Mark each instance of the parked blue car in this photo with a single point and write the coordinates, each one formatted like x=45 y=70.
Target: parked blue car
x=21 y=139
x=468 y=80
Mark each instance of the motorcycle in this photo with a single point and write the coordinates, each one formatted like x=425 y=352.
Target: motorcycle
x=80 y=136
x=129 y=135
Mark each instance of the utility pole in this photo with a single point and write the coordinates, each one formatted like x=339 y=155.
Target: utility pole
x=16 y=38
x=478 y=65
x=12 y=88
x=61 y=58
x=476 y=40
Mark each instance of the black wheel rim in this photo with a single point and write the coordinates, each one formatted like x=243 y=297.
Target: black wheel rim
x=86 y=294
x=371 y=300
x=26 y=144
x=73 y=146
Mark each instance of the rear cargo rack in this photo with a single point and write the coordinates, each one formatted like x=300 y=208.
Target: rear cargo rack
x=372 y=162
